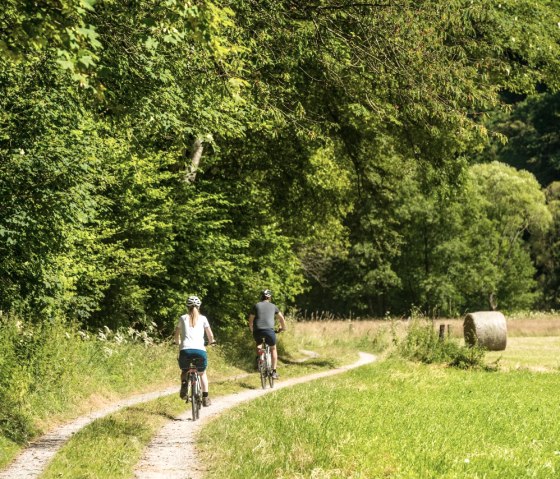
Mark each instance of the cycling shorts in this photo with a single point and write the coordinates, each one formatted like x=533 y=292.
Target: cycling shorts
x=197 y=355
x=268 y=334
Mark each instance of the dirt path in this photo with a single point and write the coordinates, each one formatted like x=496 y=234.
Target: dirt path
x=32 y=460
x=172 y=453
x=163 y=451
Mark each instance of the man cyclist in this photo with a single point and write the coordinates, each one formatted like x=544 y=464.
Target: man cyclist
x=189 y=335
x=261 y=323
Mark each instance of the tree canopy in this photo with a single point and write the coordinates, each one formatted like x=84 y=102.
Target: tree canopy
x=337 y=153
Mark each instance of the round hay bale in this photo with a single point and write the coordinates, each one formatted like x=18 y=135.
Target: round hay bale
x=486 y=329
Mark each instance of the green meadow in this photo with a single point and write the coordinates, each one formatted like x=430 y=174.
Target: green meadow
x=395 y=419
x=403 y=419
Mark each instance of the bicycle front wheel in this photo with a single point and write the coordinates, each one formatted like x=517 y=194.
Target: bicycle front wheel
x=270 y=379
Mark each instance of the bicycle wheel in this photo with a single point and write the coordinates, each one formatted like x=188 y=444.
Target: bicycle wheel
x=198 y=395
x=268 y=368
x=195 y=404
x=262 y=371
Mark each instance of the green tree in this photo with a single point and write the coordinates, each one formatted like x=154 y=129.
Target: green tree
x=533 y=138
x=547 y=252
x=515 y=205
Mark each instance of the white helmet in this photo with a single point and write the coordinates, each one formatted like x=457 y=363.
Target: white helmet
x=193 y=301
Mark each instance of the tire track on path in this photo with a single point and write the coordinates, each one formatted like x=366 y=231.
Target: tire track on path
x=172 y=453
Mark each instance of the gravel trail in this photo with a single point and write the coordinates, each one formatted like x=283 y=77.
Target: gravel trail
x=172 y=453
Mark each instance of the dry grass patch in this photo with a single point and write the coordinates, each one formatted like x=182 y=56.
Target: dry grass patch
x=543 y=324
x=539 y=354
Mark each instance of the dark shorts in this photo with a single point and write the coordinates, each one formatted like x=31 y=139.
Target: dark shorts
x=196 y=355
x=268 y=334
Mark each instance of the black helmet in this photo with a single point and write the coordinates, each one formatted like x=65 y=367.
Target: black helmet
x=266 y=294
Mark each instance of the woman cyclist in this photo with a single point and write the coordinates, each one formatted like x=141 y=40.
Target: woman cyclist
x=189 y=335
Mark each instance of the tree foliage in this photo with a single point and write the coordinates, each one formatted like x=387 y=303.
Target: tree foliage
x=152 y=150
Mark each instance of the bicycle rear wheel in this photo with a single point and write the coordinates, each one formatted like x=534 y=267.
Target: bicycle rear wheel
x=268 y=368
x=195 y=399
x=262 y=372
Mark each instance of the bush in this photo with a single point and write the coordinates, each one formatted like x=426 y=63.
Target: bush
x=423 y=343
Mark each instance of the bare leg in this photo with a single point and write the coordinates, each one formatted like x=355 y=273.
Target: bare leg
x=204 y=381
x=274 y=354
x=183 y=376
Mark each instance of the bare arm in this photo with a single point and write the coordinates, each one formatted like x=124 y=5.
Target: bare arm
x=177 y=335
x=251 y=320
x=282 y=321
x=209 y=335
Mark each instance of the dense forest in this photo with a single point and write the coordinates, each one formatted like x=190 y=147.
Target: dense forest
x=363 y=158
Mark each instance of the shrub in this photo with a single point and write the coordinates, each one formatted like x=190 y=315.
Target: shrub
x=423 y=343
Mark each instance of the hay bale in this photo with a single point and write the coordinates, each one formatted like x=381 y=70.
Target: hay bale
x=487 y=329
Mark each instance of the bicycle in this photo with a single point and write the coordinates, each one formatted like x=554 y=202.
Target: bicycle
x=194 y=392
x=264 y=363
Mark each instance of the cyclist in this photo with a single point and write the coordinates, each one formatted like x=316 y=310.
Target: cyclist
x=261 y=323
x=189 y=335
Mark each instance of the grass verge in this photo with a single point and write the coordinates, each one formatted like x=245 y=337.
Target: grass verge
x=52 y=372
x=109 y=446
x=394 y=420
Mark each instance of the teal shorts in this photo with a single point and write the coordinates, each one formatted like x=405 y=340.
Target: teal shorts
x=197 y=356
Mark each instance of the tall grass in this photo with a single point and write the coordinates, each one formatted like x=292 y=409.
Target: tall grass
x=110 y=447
x=423 y=343
x=332 y=337
x=51 y=371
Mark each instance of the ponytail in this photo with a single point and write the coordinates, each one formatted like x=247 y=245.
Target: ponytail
x=193 y=316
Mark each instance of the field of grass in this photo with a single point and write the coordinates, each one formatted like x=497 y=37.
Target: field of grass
x=51 y=374
x=109 y=448
x=394 y=420
x=402 y=420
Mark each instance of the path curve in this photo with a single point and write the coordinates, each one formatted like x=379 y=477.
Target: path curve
x=172 y=452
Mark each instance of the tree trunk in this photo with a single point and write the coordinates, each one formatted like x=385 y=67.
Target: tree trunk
x=196 y=154
x=492 y=301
